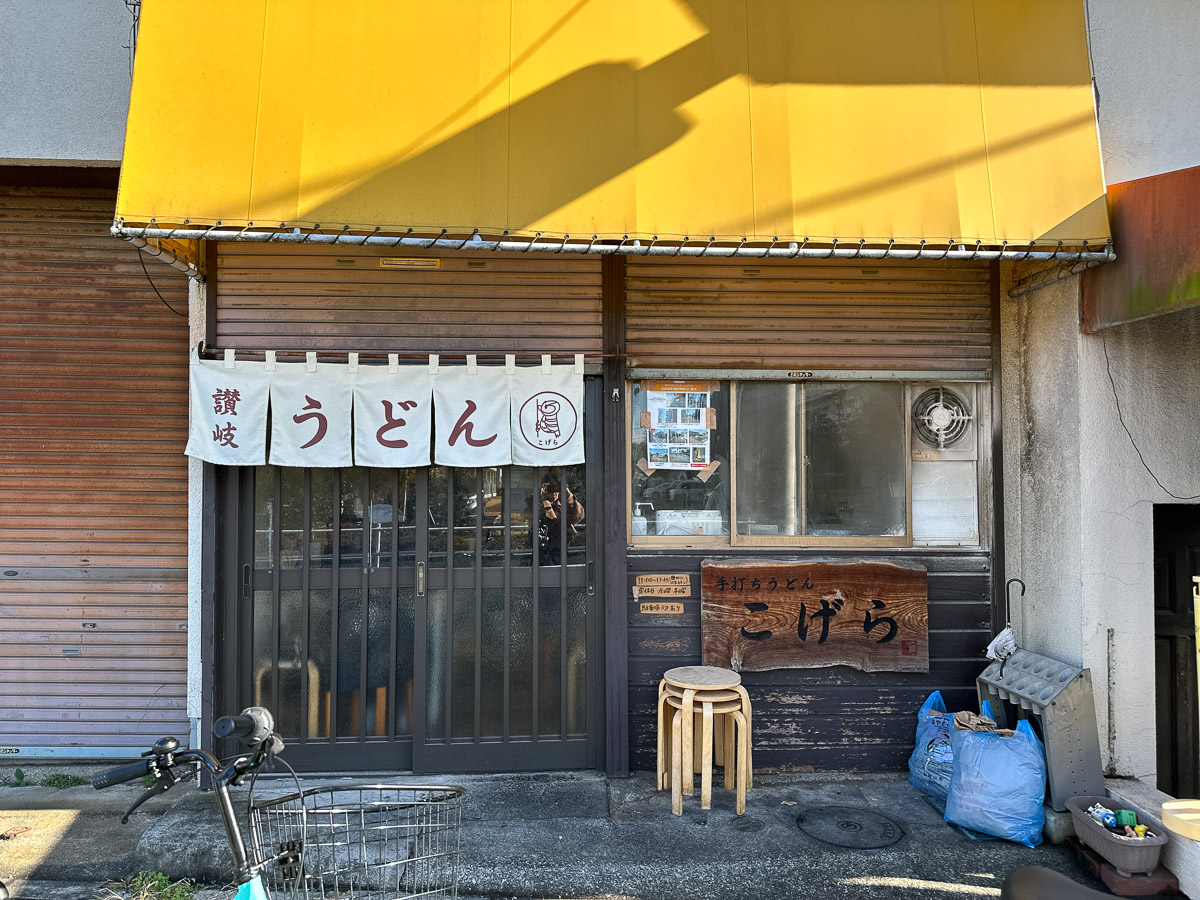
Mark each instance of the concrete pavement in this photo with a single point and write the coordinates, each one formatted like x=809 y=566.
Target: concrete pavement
x=563 y=835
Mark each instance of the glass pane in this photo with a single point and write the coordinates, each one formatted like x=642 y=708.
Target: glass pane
x=435 y=666
x=438 y=516
x=291 y=518
x=379 y=658
x=769 y=443
x=520 y=653
x=263 y=642
x=855 y=458
x=264 y=517
x=679 y=466
x=491 y=722
x=323 y=485
x=560 y=518
x=380 y=518
x=406 y=510
x=320 y=655
x=549 y=660
x=493 y=517
x=466 y=516
x=463 y=694
x=577 y=661
x=405 y=604
x=349 y=661
x=521 y=516
x=350 y=539
x=291 y=666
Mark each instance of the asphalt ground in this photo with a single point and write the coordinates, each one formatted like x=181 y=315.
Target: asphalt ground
x=561 y=835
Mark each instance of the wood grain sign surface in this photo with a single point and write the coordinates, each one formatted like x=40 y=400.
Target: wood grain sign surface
x=766 y=614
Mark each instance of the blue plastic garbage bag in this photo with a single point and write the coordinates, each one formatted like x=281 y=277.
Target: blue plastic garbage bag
x=998 y=784
x=932 y=759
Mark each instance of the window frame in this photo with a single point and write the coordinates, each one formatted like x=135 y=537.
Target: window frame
x=733 y=540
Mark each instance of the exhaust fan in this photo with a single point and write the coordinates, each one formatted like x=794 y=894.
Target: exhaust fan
x=943 y=423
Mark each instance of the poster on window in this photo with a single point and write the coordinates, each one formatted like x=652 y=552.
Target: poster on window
x=678 y=422
x=310 y=414
x=393 y=416
x=547 y=415
x=228 y=402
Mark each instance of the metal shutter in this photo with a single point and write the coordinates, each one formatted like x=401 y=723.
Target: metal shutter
x=275 y=296
x=799 y=314
x=93 y=482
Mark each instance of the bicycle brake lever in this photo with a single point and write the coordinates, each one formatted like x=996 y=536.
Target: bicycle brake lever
x=163 y=782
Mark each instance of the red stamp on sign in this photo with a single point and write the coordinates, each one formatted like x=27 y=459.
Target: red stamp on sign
x=908 y=648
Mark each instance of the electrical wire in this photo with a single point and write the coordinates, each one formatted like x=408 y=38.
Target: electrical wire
x=142 y=260
x=1121 y=419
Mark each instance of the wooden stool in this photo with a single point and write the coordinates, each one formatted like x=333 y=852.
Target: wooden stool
x=701 y=697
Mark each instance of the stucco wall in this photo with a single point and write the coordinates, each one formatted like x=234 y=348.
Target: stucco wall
x=1146 y=67
x=1079 y=502
x=64 y=76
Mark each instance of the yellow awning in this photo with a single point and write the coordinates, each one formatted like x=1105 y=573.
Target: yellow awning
x=926 y=120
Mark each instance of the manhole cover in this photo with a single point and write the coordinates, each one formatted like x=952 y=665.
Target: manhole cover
x=848 y=826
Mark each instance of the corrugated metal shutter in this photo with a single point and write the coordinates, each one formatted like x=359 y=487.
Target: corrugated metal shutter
x=93 y=481
x=800 y=314
x=276 y=296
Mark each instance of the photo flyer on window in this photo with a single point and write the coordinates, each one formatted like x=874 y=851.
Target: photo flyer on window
x=677 y=430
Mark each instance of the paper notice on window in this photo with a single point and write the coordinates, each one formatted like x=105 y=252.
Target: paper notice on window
x=677 y=436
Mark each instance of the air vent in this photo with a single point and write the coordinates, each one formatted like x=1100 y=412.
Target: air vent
x=941 y=417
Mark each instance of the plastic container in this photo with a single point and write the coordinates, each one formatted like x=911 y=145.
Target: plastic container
x=1127 y=855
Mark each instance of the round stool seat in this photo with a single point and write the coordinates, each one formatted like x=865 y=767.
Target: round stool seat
x=714 y=696
x=702 y=678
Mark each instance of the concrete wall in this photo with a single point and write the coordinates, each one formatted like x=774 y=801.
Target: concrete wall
x=64 y=77
x=1146 y=67
x=1079 y=503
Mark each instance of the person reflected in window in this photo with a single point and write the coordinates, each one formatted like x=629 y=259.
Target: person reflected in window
x=554 y=508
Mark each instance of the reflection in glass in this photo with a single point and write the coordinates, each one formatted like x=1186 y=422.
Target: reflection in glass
x=406 y=511
x=380 y=515
x=264 y=517
x=577 y=661
x=323 y=485
x=577 y=529
x=320 y=652
x=466 y=515
x=263 y=641
x=349 y=661
x=855 y=446
x=768 y=421
x=521 y=515
x=463 y=669
x=291 y=518
x=350 y=537
x=492 y=521
x=439 y=509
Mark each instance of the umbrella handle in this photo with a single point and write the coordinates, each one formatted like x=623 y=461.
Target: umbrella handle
x=1008 y=598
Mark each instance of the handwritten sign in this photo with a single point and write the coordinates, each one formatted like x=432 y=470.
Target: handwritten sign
x=768 y=614
x=661 y=609
x=662 y=586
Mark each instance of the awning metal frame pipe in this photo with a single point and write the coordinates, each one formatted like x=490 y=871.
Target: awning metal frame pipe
x=952 y=249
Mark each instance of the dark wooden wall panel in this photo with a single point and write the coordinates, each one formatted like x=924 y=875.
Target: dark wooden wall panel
x=809 y=314
x=827 y=719
x=93 y=481
x=281 y=297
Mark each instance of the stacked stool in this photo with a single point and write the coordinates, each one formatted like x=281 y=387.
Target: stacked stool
x=713 y=702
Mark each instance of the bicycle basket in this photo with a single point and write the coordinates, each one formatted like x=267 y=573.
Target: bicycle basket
x=375 y=842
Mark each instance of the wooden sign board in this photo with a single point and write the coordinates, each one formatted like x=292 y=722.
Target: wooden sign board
x=757 y=615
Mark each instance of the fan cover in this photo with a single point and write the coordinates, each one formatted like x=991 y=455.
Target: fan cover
x=941 y=417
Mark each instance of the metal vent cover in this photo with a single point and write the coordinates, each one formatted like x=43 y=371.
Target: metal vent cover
x=941 y=417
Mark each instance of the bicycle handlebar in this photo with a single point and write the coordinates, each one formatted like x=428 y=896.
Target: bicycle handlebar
x=253 y=726
x=121 y=774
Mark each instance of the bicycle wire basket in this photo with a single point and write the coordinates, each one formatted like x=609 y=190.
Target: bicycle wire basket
x=373 y=842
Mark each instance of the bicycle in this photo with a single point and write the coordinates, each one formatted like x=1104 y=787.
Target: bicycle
x=375 y=842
